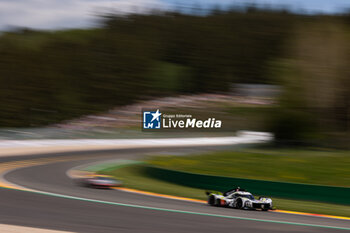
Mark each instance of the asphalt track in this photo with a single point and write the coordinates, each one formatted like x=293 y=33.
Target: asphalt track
x=64 y=205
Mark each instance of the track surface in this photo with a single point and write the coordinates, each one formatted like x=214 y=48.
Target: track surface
x=38 y=210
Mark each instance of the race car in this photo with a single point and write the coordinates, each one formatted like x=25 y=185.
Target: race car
x=240 y=199
x=100 y=181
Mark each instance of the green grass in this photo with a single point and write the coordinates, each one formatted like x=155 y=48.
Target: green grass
x=134 y=177
x=300 y=166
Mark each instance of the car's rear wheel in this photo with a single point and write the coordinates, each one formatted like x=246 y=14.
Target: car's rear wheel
x=218 y=202
x=211 y=200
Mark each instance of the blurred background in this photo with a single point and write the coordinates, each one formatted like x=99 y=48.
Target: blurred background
x=90 y=66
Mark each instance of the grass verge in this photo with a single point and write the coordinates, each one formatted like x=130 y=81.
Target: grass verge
x=285 y=165
x=134 y=177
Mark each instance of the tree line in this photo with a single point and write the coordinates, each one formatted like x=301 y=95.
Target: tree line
x=47 y=77
x=50 y=76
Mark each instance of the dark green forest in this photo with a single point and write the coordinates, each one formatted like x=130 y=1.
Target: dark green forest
x=50 y=76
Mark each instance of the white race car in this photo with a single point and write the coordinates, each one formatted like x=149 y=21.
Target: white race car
x=240 y=199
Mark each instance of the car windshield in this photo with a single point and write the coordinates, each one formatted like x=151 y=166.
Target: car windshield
x=251 y=197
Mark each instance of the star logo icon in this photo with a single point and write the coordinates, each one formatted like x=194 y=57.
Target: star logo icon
x=156 y=115
x=151 y=119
